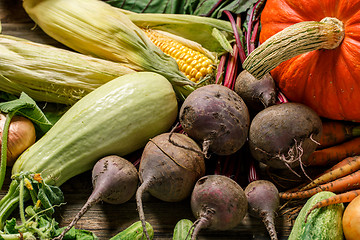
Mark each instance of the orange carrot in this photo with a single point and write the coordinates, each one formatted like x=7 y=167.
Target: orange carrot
x=339 y=198
x=336 y=132
x=343 y=163
x=348 y=182
x=334 y=154
x=352 y=165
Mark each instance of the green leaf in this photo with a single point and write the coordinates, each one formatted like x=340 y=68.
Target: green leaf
x=222 y=40
x=215 y=8
x=28 y=108
x=16 y=105
x=82 y=234
x=210 y=8
x=10 y=226
x=239 y=6
x=53 y=193
x=76 y=234
x=150 y=6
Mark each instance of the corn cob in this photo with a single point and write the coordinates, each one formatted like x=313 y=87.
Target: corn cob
x=95 y=28
x=51 y=74
x=194 y=64
x=215 y=35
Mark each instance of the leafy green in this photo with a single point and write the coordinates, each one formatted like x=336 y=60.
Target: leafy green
x=37 y=221
x=28 y=108
x=209 y=8
x=76 y=234
x=150 y=6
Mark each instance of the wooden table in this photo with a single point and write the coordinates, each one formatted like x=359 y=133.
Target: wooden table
x=106 y=220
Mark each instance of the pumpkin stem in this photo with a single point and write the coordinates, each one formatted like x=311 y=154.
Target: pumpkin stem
x=297 y=39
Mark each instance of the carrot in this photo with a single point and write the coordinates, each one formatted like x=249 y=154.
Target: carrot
x=334 y=154
x=343 y=163
x=338 y=198
x=352 y=165
x=336 y=132
x=347 y=182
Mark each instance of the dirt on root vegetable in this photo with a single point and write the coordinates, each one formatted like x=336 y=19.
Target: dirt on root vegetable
x=114 y=180
x=257 y=93
x=170 y=165
x=282 y=136
x=218 y=203
x=264 y=201
x=217 y=117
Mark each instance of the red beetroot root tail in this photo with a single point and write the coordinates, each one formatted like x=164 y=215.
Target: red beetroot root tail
x=143 y=187
x=268 y=220
x=202 y=222
x=94 y=198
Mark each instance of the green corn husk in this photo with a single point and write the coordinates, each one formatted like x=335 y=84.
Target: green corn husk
x=51 y=74
x=95 y=28
x=214 y=35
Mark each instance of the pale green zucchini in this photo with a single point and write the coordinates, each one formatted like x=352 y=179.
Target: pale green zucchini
x=134 y=232
x=183 y=230
x=322 y=224
x=117 y=118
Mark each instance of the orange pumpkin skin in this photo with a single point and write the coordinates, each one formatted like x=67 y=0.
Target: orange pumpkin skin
x=328 y=81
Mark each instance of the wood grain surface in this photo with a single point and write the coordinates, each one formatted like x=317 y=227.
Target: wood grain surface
x=106 y=220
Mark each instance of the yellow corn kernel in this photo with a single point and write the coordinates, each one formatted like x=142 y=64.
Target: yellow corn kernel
x=192 y=63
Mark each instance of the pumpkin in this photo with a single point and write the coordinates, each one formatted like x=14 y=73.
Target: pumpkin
x=327 y=80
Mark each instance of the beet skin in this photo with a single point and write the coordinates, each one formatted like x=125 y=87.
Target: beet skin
x=217 y=117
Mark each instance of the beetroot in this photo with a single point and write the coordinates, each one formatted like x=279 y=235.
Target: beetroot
x=218 y=202
x=257 y=93
x=170 y=165
x=263 y=200
x=282 y=135
x=114 y=180
x=217 y=117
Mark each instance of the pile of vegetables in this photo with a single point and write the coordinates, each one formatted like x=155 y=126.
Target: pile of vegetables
x=279 y=97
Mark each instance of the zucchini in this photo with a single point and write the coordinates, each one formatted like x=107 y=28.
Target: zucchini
x=322 y=224
x=134 y=232
x=183 y=230
x=117 y=118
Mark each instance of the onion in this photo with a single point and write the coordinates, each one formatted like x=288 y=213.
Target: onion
x=21 y=136
x=351 y=220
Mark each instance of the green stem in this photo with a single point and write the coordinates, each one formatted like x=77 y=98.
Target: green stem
x=4 y=143
x=297 y=39
x=17 y=236
x=12 y=188
x=10 y=201
x=7 y=208
x=21 y=202
x=32 y=192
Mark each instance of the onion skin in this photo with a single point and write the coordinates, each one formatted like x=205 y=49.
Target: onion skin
x=21 y=136
x=351 y=220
